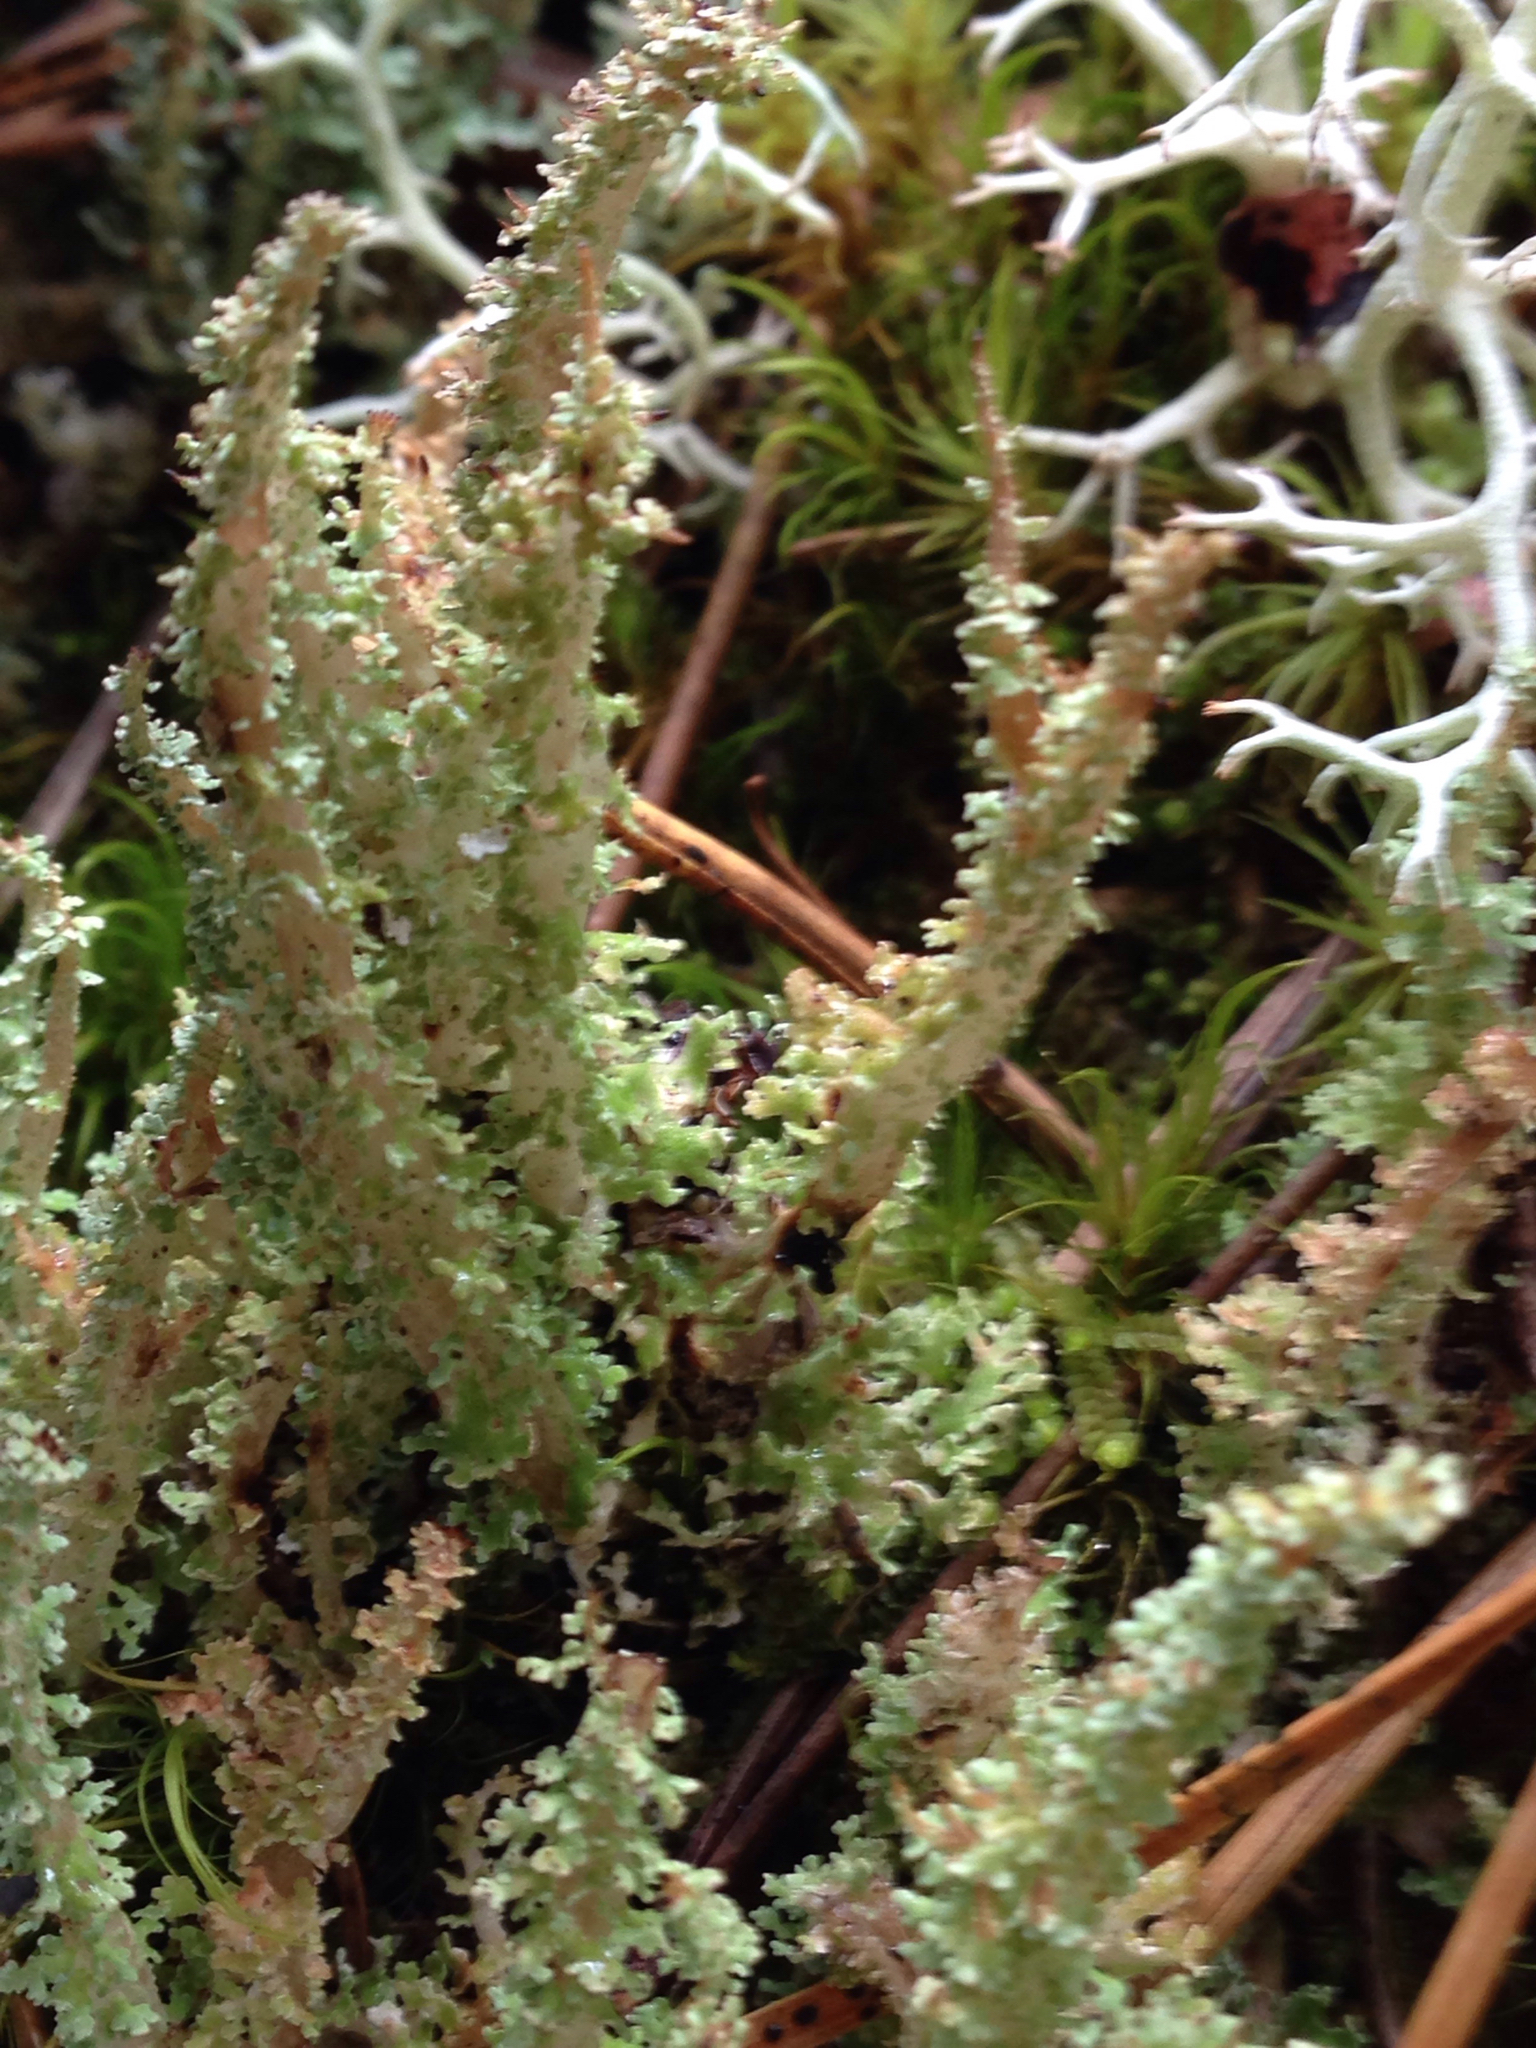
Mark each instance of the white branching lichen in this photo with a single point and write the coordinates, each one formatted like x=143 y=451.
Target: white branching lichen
x=1426 y=548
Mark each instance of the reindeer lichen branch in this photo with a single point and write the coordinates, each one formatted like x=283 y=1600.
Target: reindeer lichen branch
x=1429 y=547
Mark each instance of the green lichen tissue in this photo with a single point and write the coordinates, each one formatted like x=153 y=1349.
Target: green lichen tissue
x=440 y=1280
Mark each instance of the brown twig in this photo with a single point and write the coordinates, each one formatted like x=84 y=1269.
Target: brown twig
x=1245 y=1783
x=1467 y=1973
x=661 y=775
x=48 y=815
x=1248 y=1869
x=826 y=940
x=707 y=864
x=1264 y=1230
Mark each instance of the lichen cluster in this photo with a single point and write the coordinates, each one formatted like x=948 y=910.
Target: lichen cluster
x=440 y=1227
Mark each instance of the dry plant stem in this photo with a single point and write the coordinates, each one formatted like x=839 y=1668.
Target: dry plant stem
x=50 y=811
x=776 y=1727
x=762 y=1812
x=820 y=937
x=1469 y=1968
x=666 y=763
x=1248 y=1869
x=1444 y=1653
x=48 y=815
x=1273 y=1220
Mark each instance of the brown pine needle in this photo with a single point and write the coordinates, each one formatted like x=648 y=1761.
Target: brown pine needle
x=1238 y=1787
x=820 y=936
x=661 y=775
x=707 y=864
x=1247 y=1870
x=1470 y=1967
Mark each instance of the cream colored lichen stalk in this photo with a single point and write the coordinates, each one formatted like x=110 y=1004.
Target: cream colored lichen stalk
x=1062 y=746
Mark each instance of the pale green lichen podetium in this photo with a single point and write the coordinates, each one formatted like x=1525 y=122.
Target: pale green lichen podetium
x=87 y=1955
x=1007 y=1880
x=389 y=813
x=566 y=1851
x=1060 y=749
x=547 y=502
x=397 y=843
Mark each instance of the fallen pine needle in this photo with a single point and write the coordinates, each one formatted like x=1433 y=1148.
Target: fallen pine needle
x=818 y=935
x=1469 y=1968
x=1249 y=1868
x=1238 y=1787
